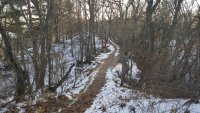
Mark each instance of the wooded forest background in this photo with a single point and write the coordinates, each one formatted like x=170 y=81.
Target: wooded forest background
x=161 y=36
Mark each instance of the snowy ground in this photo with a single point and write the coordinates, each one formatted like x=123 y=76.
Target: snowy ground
x=113 y=98
x=116 y=99
x=84 y=79
x=62 y=58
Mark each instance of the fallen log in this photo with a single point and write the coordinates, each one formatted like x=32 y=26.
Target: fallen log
x=64 y=78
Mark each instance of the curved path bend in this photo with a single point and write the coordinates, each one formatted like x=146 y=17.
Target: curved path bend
x=86 y=98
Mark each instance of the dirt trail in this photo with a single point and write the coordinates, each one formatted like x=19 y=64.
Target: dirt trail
x=85 y=99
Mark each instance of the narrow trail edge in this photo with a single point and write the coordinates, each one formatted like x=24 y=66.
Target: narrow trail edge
x=86 y=98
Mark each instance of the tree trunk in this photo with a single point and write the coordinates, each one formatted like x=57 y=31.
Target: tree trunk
x=21 y=76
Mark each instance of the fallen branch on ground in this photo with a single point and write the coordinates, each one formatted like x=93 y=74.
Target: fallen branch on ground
x=53 y=89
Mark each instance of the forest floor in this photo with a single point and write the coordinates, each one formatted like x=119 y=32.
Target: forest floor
x=67 y=98
x=99 y=91
x=86 y=98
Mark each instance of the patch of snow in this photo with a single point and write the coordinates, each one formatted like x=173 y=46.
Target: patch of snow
x=116 y=99
x=117 y=53
x=61 y=61
x=83 y=79
x=108 y=98
x=21 y=110
x=93 y=74
x=134 y=72
x=3 y=110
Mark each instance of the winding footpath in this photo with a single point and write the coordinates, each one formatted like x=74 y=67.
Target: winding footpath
x=86 y=98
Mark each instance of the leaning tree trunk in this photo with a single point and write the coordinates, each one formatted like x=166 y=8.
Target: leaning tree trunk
x=21 y=76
